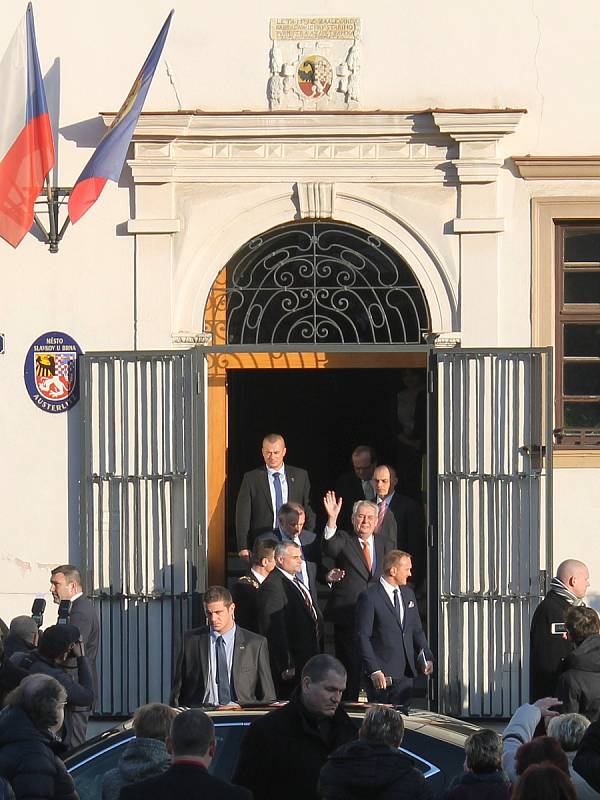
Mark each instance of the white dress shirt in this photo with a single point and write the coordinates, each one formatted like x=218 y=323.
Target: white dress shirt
x=389 y=590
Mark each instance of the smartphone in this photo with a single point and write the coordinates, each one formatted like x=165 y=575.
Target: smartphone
x=558 y=627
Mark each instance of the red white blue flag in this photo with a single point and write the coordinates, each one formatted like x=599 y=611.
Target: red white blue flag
x=109 y=157
x=26 y=143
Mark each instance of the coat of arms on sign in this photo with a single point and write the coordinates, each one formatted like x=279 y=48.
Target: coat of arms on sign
x=314 y=63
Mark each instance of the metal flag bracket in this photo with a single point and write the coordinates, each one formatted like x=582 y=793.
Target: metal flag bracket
x=53 y=198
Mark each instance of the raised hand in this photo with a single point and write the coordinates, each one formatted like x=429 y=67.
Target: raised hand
x=333 y=506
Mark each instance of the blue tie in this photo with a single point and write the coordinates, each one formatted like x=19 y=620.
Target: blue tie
x=278 y=494
x=223 y=686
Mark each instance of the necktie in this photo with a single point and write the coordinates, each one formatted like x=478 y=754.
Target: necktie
x=380 y=514
x=397 y=605
x=224 y=689
x=306 y=597
x=367 y=555
x=278 y=494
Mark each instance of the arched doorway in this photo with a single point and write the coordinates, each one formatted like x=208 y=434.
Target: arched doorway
x=328 y=288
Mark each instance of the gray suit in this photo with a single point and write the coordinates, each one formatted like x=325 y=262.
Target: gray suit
x=250 y=671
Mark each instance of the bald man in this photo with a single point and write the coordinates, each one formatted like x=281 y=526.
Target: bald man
x=549 y=646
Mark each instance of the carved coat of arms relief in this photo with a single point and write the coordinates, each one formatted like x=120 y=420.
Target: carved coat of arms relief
x=314 y=63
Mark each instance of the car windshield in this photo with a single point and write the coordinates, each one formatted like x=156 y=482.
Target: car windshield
x=88 y=773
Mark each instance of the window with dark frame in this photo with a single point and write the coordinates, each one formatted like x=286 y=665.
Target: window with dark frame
x=578 y=334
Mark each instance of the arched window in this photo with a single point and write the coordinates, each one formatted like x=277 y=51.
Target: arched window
x=320 y=283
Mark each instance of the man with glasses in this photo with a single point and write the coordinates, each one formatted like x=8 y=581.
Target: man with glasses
x=358 y=558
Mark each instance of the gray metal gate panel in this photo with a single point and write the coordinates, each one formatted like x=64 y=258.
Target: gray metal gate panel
x=142 y=512
x=491 y=521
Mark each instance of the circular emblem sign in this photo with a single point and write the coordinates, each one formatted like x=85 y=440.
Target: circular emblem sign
x=315 y=76
x=50 y=372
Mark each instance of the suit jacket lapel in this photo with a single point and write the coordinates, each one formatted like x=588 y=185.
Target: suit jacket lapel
x=239 y=647
x=265 y=486
x=203 y=645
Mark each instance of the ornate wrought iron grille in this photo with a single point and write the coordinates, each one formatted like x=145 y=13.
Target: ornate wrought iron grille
x=318 y=282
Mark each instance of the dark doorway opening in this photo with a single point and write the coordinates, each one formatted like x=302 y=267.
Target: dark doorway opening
x=323 y=415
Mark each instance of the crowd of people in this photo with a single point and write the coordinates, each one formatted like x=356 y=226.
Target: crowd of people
x=263 y=643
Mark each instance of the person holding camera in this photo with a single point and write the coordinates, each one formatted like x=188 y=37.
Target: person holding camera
x=58 y=644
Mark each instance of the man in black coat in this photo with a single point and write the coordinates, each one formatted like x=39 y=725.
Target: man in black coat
x=291 y=519
x=373 y=766
x=409 y=531
x=358 y=558
x=282 y=753
x=265 y=489
x=192 y=744
x=66 y=584
x=59 y=645
x=289 y=619
x=245 y=590
x=548 y=645
x=391 y=641
x=356 y=485
x=246 y=659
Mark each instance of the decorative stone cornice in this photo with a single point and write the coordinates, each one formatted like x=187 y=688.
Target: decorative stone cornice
x=562 y=168
x=478 y=135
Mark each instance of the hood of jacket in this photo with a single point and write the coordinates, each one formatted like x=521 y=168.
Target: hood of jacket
x=143 y=758
x=365 y=768
x=586 y=655
x=16 y=726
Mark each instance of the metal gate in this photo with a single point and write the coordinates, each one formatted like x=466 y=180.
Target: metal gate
x=142 y=512
x=490 y=437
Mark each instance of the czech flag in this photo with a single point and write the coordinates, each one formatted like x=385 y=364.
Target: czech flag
x=109 y=157
x=26 y=143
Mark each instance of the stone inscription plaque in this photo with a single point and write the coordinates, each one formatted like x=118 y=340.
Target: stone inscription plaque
x=315 y=28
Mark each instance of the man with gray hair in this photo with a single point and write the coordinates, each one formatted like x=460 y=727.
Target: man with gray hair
x=358 y=558
x=289 y=618
x=373 y=766
x=549 y=646
x=22 y=637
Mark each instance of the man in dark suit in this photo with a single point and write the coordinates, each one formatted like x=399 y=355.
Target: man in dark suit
x=222 y=664
x=358 y=558
x=282 y=753
x=291 y=518
x=245 y=590
x=66 y=584
x=192 y=745
x=410 y=525
x=264 y=490
x=356 y=485
x=289 y=619
x=391 y=641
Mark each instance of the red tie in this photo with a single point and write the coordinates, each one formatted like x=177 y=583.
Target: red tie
x=367 y=554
